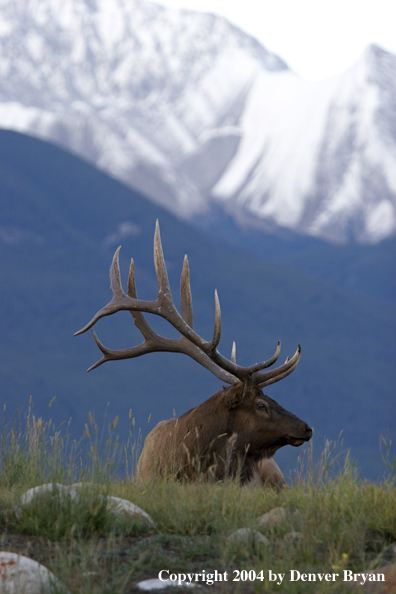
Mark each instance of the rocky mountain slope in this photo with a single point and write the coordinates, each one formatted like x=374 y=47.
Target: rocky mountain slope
x=199 y=116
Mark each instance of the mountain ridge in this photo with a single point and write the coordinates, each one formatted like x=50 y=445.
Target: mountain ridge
x=199 y=116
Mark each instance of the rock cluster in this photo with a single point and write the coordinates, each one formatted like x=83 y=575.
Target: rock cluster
x=21 y=574
x=114 y=505
x=267 y=523
x=278 y=516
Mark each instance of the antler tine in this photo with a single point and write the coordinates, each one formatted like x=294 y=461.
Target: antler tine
x=185 y=294
x=217 y=326
x=104 y=351
x=115 y=275
x=280 y=376
x=138 y=318
x=266 y=378
x=233 y=352
x=268 y=363
x=112 y=355
x=159 y=262
x=119 y=297
x=131 y=287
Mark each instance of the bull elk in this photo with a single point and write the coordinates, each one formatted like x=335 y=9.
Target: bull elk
x=234 y=433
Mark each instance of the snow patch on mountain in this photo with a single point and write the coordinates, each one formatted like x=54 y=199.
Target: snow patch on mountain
x=306 y=164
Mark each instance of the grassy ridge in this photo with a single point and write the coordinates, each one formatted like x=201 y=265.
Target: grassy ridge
x=344 y=523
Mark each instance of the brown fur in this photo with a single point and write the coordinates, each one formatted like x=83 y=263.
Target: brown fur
x=234 y=433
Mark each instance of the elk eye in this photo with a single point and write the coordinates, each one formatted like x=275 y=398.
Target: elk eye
x=261 y=405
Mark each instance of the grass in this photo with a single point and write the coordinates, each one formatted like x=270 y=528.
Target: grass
x=344 y=522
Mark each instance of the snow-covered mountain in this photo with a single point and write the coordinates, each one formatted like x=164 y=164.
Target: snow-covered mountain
x=192 y=111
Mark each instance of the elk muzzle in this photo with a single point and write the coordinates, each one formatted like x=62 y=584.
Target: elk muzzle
x=303 y=436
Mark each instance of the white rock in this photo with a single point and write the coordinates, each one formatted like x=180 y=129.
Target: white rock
x=21 y=575
x=278 y=515
x=48 y=488
x=156 y=584
x=272 y=518
x=124 y=508
x=44 y=490
x=248 y=535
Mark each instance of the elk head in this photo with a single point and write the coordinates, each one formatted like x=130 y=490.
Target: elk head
x=262 y=423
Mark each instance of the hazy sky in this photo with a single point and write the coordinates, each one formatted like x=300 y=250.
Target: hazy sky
x=317 y=38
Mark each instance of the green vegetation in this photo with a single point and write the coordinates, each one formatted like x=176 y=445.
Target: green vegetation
x=344 y=522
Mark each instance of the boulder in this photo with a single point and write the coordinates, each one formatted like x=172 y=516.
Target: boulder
x=277 y=516
x=249 y=535
x=21 y=575
x=274 y=517
x=124 y=508
x=48 y=489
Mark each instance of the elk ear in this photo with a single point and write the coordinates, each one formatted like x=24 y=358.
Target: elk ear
x=233 y=395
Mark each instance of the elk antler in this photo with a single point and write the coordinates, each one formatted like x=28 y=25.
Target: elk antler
x=190 y=343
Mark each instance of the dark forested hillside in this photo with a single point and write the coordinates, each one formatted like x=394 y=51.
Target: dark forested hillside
x=61 y=220
x=362 y=269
